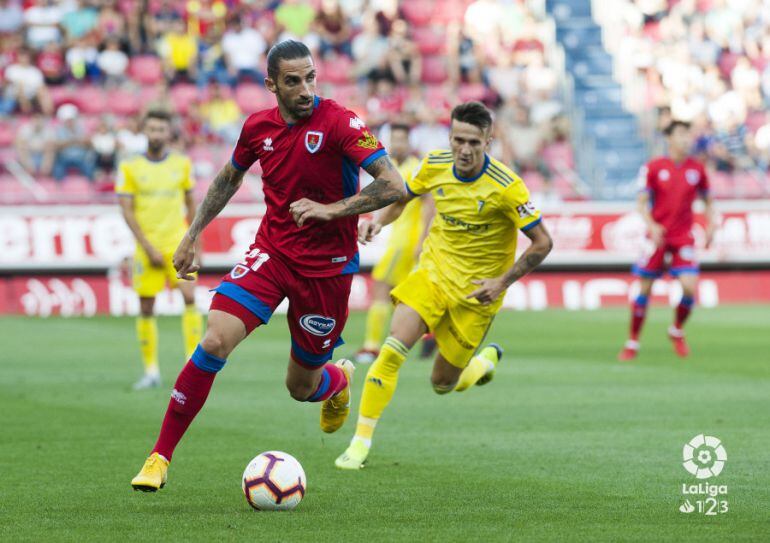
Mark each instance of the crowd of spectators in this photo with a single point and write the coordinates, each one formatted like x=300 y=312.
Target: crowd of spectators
x=704 y=61
x=407 y=61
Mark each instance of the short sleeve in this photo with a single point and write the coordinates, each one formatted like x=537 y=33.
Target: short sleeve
x=188 y=183
x=125 y=183
x=356 y=141
x=417 y=182
x=243 y=155
x=645 y=180
x=518 y=207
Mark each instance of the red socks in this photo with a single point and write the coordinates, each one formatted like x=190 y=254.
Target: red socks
x=190 y=392
x=638 y=313
x=332 y=381
x=683 y=311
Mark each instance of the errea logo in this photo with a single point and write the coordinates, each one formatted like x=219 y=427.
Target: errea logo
x=356 y=123
x=268 y=144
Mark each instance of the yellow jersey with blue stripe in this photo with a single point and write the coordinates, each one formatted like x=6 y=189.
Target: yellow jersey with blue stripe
x=158 y=188
x=406 y=230
x=474 y=231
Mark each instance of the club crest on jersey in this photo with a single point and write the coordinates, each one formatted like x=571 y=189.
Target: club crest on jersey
x=318 y=325
x=239 y=271
x=664 y=175
x=692 y=176
x=313 y=140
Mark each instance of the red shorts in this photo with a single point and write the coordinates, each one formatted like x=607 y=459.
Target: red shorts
x=318 y=306
x=678 y=259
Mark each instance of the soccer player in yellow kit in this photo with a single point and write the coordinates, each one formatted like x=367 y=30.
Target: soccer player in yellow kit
x=155 y=195
x=466 y=265
x=406 y=237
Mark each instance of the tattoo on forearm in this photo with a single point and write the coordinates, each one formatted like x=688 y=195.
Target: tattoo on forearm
x=527 y=262
x=224 y=186
x=378 y=194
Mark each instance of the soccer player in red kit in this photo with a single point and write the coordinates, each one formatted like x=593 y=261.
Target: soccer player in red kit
x=310 y=150
x=670 y=186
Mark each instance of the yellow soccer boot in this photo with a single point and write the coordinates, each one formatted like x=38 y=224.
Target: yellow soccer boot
x=153 y=474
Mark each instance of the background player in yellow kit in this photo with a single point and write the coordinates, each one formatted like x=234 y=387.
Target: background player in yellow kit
x=406 y=237
x=155 y=195
x=465 y=267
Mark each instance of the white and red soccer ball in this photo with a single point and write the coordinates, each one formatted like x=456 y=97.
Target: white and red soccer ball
x=274 y=481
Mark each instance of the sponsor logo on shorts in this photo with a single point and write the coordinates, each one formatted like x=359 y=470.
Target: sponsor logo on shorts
x=239 y=271
x=687 y=252
x=318 y=325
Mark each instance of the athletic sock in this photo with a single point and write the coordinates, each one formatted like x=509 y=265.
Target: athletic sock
x=638 y=313
x=380 y=384
x=191 y=389
x=147 y=334
x=683 y=311
x=376 y=320
x=192 y=328
x=475 y=370
x=333 y=380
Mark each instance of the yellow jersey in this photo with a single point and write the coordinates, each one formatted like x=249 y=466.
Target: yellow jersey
x=158 y=188
x=405 y=231
x=474 y=231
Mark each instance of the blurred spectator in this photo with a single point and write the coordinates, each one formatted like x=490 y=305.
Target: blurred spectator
x=159 y=22
x=430 y=133
x=221 y=115
x=35 y=146
x=204 y=15
x=522 y=141
x=82 y=59
x=80 y=21
x=463 y=56
x=385 y=104
x=43 y=21
x=333 y=27
x=179 y=51
x=243 y=48
x=404 y=58
x=732 y=147
x=11 y=16
x=295 y=17
x=105 y=145
x=73 y=148
x=51 y=63
x=111 y=22
x=26 y=86
x=131 y=139
x=211 y=60
x=113 y=62
x=370 y=52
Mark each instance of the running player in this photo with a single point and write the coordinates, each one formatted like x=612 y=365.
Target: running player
x=670 y=186
x=466 y=266
x=155 y=195
x=310 y=150
x=404 y=244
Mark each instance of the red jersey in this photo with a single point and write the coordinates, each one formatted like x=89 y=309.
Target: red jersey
x=673 y=188
x=316 y=158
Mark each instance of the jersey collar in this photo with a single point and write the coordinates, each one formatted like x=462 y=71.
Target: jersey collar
x=471 y=179
x=156 y=160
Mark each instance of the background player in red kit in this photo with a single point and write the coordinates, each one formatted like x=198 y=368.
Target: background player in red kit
x=310 y=150
x=670 y=186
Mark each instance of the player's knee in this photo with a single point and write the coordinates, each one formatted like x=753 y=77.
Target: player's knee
x=442 y=385
x=214 y=343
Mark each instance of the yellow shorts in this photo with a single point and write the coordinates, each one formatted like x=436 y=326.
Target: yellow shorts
x=149 y=280
x=459 y=328
x=395 y=265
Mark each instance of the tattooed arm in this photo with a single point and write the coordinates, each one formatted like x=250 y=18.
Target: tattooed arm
x=225 y=184
x=387 y=187
x=490 y=289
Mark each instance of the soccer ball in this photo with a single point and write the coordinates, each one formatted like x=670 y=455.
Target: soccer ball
x=274 y=481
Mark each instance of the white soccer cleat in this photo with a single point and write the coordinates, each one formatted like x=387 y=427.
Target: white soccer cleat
x=148 y=380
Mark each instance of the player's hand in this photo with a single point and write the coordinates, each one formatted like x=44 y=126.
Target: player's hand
x=184 y=259
x=367 y=229
x=156 y=257
x=656 y=233
x=488 y=290
x=304 y=210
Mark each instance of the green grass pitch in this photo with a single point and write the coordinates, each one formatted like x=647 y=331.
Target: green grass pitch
x=566 y=444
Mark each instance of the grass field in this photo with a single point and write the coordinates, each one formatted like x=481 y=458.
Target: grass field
x=565 y=445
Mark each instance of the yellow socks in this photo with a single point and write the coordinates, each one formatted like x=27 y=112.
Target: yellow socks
x=376 y=321
x=475 y=370
x=192 y=329
x=381 y=381
x=147 y=334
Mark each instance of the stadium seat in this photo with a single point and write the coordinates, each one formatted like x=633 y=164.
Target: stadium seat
x=434 y=70
x=124 y=102
x=429 y=40
x=472 y=92
x=147 y=70
x=7 y=134
x=338 y=70
x=418 y=12
x=91 y=100
x=253 y=97
x=184 y=95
